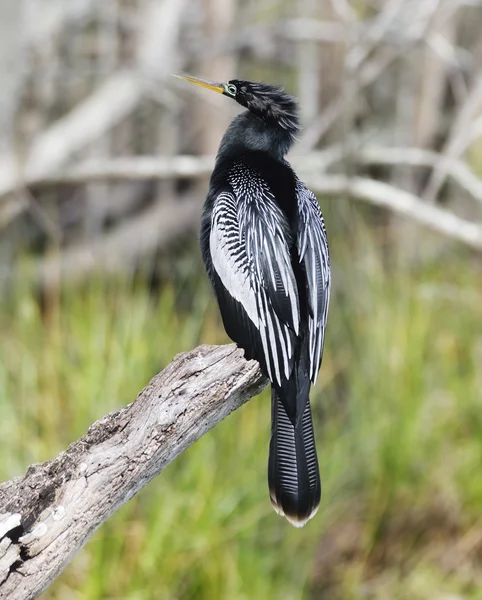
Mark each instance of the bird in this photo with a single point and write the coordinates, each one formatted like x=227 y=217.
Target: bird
x=264 y=245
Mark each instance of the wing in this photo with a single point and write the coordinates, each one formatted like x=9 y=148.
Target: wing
x=249 y=244
x=313 y=254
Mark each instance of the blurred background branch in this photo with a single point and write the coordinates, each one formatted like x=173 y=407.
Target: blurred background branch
x=397 y=85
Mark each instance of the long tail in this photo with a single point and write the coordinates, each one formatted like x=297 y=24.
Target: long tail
x=293 y=475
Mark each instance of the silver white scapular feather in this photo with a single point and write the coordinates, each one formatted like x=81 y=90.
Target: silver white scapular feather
x=313 y=252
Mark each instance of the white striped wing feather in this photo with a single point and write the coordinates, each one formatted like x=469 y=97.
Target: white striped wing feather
x=313 y=253
x=250 y=254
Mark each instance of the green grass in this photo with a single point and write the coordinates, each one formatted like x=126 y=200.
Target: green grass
x=399 y=428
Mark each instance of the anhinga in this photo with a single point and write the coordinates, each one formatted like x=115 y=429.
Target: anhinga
x=264 y=245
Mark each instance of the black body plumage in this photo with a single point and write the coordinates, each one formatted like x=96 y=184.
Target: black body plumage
x=264 y=245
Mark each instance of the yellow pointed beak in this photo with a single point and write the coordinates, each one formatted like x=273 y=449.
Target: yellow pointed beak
x=210 y=85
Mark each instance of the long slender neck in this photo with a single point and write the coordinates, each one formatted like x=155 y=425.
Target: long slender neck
x=248 y=132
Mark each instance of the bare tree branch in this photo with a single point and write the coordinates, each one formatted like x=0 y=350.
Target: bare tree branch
x=460 y=136
x=309 y=167
x=114 y=100
x=418 y=157
x=401 y=202
x=306 y=29
x=44 y=22
x=109 y=104
x=416 y=23
x=119 y=250
x=191 y=167
x=48 y=515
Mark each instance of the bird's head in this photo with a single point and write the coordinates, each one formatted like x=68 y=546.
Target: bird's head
x=268 y=102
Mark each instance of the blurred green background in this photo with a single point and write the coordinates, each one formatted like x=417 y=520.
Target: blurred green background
x=101 y=284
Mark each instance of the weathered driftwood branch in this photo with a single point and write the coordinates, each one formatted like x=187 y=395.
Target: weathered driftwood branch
x=48 y=515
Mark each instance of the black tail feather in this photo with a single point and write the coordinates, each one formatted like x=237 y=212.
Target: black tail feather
x=293 y=475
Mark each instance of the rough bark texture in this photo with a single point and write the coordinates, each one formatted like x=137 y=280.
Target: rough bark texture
x=48 y=515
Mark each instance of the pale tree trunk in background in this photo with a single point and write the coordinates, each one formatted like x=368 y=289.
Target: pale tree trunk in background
x=420 y=102
x=99 y=193
x=11 y=29
x=308 y=54
x=432 y=77
x=331 y=69
x=160 y=56
x=212 y=113
x=11 y=66
x=406 y=85
x=219 y=17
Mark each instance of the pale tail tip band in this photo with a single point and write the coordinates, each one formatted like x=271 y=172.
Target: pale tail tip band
x=293 y=520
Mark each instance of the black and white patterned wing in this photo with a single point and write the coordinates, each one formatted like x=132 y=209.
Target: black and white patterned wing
x=314 y=255
x=251 y=257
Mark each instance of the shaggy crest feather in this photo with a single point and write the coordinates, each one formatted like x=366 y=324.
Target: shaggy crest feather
x=270 y=103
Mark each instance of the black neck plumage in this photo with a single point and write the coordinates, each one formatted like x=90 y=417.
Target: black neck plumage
x=249 y=132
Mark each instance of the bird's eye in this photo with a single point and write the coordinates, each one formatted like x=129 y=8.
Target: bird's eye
x=231 y=89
